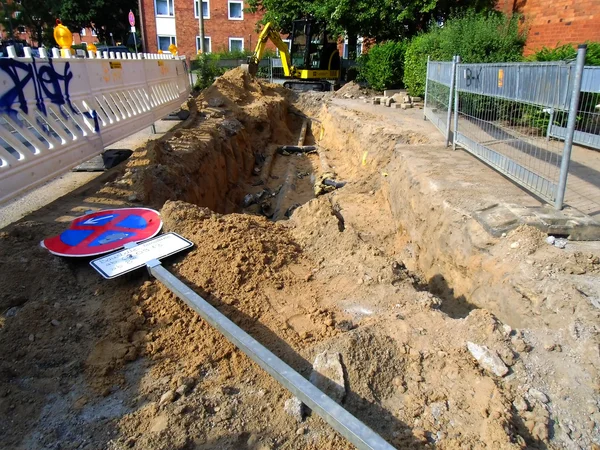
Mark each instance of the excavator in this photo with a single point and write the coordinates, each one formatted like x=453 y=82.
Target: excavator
x=312 y=60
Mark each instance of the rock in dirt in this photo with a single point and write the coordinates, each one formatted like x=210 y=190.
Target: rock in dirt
x=560 y=243
x=488 y=359
x=538 y=395
x=167 y=397
x=295 y=408
x=520 y=404
x=55 y=322
x=12 y=312
x=328 y=375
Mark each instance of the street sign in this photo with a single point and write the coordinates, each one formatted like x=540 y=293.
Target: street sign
x=129 y=259
x=131 y=18
x=104 y=231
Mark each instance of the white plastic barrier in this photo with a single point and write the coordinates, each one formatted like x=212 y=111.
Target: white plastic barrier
x=58 y=112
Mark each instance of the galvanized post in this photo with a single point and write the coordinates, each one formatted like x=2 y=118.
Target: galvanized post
x=449 y=115
x=566 y=157
x=340 y=420
x=425 y=98
x=455 y=128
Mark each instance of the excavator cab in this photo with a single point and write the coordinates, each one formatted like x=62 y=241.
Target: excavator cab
x=312 y=59
x=314 y=56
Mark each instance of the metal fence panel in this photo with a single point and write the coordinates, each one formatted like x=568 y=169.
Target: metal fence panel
x=542 y=84
x=504 y=113
x=587 y=128
x=438 y=96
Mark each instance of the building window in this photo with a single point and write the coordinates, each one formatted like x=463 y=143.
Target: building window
x=205 y=9
x=165 y=41
x=82 y=32
x=359 y=44
x=164 y=7
x=236 y=10
x=207 y=44
x=94 y=32
x=236 y=44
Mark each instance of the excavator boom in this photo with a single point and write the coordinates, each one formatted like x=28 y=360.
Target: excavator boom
x=319 y=58
x=269 y=33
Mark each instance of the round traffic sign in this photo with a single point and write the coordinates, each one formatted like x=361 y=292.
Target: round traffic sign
x=104 y=231
x=131 y=18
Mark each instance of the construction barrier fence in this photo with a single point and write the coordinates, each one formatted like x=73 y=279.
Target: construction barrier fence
x=56 y=112
x=520 y=118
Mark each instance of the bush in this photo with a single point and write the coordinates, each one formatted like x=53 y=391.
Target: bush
x=206 y=68
x=383 y=66
x=568 y=53
x=475 y=37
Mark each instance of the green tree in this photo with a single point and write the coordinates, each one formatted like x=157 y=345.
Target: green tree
x=379 y=19
x=476 y=37
x=39 y=17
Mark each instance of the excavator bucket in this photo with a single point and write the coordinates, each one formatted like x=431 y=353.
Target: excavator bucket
x=251 y=68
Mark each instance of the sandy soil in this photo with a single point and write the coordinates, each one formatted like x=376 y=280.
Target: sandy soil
x=91 y=364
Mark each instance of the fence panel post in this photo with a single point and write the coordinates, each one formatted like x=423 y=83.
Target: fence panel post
x=426 y=84
x=566 y=157
x=449 y=116
x=455 y=128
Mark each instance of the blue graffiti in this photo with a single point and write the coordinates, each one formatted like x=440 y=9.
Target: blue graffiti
x=48 y=84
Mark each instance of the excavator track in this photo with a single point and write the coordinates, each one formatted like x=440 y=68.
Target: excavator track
x=306 y=85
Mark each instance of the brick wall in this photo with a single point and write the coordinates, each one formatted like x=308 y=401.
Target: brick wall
x=149 y=25
x=554 y=22
x=218 y=27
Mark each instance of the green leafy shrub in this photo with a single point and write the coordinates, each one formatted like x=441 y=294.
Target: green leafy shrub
x=568 y=52
x=206 y=69
x=477 y=37
x=383 y=66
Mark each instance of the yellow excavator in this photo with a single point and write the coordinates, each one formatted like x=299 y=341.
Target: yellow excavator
x=312 y=59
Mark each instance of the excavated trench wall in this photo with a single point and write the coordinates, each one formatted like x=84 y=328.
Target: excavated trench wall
x=207 y=159
x=435 y=238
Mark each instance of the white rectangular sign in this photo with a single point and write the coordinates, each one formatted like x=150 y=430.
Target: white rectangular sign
x=129 y=259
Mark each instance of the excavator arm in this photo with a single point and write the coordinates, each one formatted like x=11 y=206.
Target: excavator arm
x=269 y=33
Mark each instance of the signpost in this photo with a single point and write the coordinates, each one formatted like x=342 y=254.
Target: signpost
x=134 y=256
x=104 y=231
x=131 y=19
x=108 y=230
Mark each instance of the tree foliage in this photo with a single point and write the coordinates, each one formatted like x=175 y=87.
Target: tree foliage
x=379 y=19
x=475 y=37
x=39 y=17
x=568 y=53
x=382 y=67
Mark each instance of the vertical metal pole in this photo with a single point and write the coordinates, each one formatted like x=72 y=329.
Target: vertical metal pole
x=566 y=157
x=153 y=128
x=135 y=43
x=449 y=115
x=426 y=84
x=456 y=103
x=142 y=34
x=201 y=26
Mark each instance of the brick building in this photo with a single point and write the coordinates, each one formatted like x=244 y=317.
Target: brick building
x=556 y=22
x=226 y=25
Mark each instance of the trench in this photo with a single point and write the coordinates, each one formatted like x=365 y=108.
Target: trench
x=234 y=161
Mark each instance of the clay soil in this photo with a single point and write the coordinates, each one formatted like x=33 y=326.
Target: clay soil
x=94 y=364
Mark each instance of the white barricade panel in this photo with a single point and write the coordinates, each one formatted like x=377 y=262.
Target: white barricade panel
x=57 y=113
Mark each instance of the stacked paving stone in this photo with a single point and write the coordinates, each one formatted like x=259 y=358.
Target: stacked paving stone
x=396 y=98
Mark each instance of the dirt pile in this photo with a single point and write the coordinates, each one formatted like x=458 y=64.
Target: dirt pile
x=352 y=90
x=207 y=159
x=385 y=279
